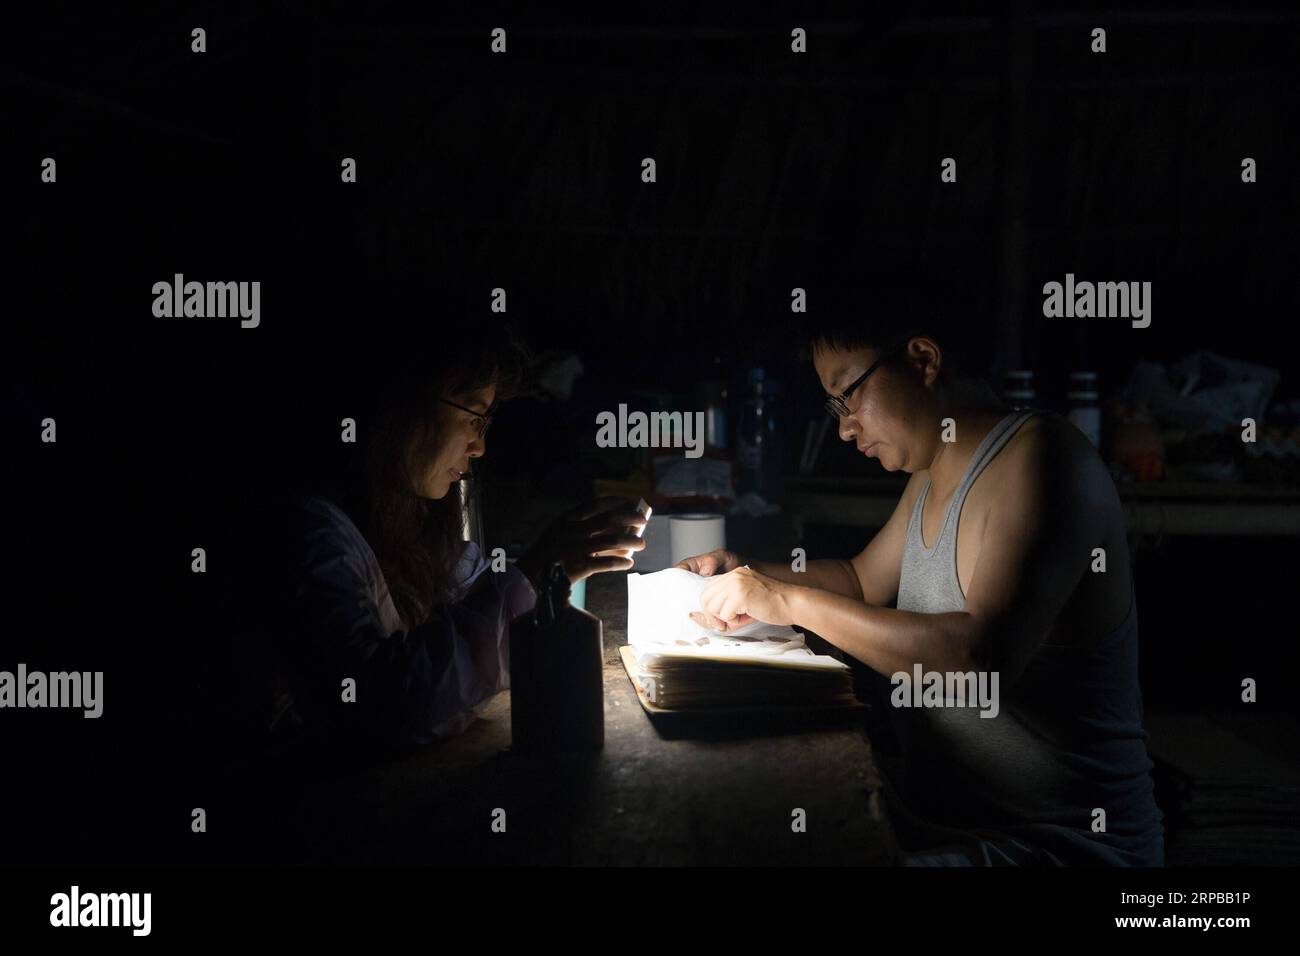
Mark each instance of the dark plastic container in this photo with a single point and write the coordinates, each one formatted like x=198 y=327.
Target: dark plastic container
x=557 y=663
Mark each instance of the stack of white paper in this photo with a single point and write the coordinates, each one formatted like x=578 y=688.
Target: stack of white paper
x=659 y=627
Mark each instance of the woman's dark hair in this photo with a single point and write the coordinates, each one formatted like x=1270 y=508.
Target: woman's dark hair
x=417 y=541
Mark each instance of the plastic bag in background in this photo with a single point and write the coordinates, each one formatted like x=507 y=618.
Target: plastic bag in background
x=554 y=372
x=1285 y=414
x=677 y=477
x=1202 y=392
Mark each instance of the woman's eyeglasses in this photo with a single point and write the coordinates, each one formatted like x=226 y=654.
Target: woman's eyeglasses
x=837 y=405
x=481 y=419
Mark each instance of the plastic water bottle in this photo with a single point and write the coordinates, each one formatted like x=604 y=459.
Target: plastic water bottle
x=758 y=453
x=1018 y=389
x=1085 y=407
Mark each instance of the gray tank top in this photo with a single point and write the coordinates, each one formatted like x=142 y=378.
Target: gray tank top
x=1068 y=738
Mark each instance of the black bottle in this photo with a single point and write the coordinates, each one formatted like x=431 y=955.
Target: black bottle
x=557 y=661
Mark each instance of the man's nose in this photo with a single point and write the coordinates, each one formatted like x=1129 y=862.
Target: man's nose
x=478 y=447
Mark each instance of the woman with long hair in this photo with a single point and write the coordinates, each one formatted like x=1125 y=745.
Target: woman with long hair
x=397 y=627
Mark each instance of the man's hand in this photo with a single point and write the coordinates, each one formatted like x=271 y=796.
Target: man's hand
x=743 y=596
x=715 y=562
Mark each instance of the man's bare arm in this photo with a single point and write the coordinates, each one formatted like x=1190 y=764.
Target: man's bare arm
x=872 y=576
x=827 y=574
x=1038 y=542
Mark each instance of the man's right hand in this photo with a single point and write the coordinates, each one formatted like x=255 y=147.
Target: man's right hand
x=715 y=562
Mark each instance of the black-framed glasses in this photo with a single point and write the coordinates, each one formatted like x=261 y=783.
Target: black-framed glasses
x=481 y=419
x=837 y=405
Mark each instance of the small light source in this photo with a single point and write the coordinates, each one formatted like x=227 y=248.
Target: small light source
x=645 y=510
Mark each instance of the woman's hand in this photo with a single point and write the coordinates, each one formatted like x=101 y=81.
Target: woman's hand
x=591 y=539
x=715 y=562
x=741 y=597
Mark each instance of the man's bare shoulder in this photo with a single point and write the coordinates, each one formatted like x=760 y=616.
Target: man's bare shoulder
x=1049 y=455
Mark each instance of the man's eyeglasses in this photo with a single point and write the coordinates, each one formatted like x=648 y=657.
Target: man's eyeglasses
x=481 y=419
x=837 y=405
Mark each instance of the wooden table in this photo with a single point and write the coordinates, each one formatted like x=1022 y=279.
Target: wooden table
x=721 y=795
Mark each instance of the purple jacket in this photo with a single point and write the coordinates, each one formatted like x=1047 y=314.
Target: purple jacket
x=413 y=684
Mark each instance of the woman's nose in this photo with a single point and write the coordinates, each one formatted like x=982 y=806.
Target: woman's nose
x=847 y=428
x=477 y=448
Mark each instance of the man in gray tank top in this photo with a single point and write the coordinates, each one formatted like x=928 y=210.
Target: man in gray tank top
x=998 y=602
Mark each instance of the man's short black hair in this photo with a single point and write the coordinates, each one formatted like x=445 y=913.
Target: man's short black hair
x=885 y=311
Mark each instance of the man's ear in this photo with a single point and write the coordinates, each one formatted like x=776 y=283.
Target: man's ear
x=925 y=355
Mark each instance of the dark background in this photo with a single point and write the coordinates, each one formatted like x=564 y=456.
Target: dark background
x=523 y=171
